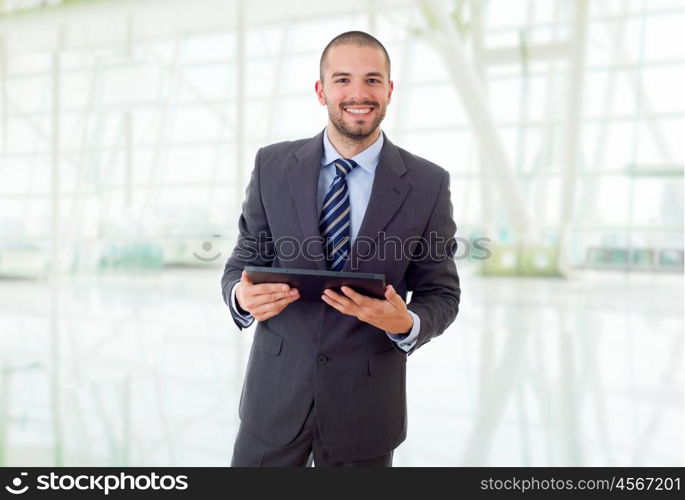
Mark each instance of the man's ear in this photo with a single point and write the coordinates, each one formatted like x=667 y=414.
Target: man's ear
x=318 y=87
x=392 y=87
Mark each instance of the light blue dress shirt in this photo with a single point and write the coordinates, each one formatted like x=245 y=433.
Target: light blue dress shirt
x=359 y=184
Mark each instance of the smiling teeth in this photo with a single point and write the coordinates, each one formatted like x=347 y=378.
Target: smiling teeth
x=358 y=111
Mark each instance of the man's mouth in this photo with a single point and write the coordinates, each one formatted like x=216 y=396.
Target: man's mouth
x=358 y=110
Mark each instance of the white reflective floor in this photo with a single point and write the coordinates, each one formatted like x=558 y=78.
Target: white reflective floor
x=146 y=370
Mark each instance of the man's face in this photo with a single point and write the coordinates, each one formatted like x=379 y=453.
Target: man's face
x=356 y=89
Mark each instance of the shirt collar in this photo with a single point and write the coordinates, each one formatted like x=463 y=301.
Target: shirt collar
x=367 y=159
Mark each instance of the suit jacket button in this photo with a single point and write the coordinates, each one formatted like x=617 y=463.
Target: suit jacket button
x=322 y=359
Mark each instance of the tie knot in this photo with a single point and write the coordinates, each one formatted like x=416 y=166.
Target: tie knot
x=344 y=167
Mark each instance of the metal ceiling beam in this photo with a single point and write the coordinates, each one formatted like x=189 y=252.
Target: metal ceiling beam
x=574 y=113
x=445 y=39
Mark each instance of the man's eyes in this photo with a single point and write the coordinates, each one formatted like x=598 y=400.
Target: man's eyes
x=345 y=80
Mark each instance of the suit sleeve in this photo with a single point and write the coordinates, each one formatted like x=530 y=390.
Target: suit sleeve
x=255 y=243
x=433 y=278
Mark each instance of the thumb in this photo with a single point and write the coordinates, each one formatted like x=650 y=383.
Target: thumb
x=245 y=278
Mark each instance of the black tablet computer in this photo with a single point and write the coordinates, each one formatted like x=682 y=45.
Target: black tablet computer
x=312 y=283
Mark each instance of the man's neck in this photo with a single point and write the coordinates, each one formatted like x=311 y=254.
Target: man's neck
x=349 y=147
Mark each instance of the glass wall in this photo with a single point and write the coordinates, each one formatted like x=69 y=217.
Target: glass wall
x=153 y=137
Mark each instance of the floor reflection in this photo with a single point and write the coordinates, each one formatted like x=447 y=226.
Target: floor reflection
x=147 y=371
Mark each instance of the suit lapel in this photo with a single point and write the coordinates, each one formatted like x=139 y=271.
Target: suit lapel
x=303 y=179
x=388 y=192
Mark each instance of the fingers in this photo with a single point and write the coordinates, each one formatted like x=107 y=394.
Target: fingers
x=268 y=298
x=345 y=305
x=250 y=289
x=393 y=297
x=334 y=299
x=265 y=299
x=267 y=288
x=254 y=302
x=276 y=305
x=266 y=311
x=335 y=304
x=355 y=297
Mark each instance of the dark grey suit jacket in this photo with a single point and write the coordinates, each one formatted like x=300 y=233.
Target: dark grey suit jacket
x=311 y=353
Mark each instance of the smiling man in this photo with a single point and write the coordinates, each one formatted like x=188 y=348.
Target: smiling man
x=356 y=92
x=326 y=380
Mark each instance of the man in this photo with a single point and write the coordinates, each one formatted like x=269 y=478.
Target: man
x=326 y=380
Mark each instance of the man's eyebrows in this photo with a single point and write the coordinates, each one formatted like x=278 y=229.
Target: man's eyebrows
x=343 y=73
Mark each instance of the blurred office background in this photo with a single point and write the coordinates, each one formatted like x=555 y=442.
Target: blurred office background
x=127 y=135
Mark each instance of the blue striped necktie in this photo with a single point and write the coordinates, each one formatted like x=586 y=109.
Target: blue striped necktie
x=335 y=217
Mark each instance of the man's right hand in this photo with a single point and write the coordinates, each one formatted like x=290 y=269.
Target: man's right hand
x=264 y=300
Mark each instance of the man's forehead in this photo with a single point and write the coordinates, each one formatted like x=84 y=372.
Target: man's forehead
x=356 y=60
x=349 y=50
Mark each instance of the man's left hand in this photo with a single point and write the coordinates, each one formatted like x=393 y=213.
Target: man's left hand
x=390 y=314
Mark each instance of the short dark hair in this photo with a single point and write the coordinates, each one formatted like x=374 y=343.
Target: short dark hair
x=358 y=38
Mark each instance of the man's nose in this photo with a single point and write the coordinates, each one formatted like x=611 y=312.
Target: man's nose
x=359 y=92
